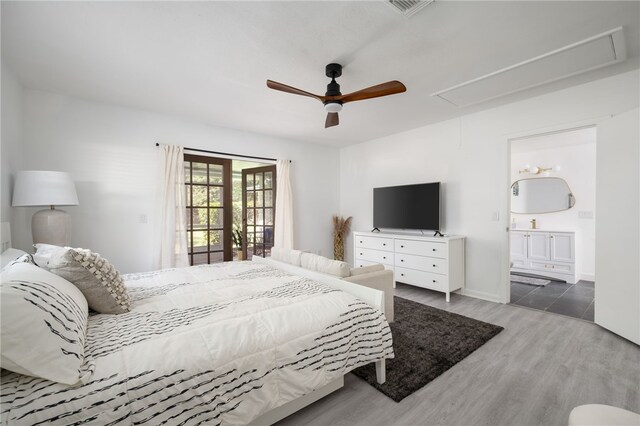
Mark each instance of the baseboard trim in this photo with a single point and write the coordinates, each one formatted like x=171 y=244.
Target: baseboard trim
x=587 y=277
x=490 y=297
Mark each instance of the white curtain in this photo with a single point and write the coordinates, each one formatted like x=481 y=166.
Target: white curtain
x=173 y=231
x=284 y=206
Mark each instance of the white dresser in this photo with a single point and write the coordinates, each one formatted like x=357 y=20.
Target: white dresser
x=436 y=263
x=543 y=252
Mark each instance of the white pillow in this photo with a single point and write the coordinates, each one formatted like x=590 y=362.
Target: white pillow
x=10 y=255
x=321 y=264
x=44 y=253
x=290 y=256
x=43 y=325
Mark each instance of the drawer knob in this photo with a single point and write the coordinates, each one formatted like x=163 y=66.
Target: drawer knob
x=401 y=246
x=384 y=244
x=384 y=257
x=434 y=281
x=360 y=254
x=402 y=275
x=360 y=241
x=433 y=249
x=401 y=260
x=434 y=266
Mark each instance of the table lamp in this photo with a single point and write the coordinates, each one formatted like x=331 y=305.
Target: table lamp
x=44 y=188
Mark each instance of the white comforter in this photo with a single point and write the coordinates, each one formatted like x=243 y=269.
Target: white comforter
x=212 y=344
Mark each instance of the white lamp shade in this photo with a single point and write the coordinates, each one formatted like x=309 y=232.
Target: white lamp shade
x=44 y=188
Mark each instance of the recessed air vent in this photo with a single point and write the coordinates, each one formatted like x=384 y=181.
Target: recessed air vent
x=409 y=8
x=589 y=54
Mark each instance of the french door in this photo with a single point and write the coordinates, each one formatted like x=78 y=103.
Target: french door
x=209 y=208
x=258 y=210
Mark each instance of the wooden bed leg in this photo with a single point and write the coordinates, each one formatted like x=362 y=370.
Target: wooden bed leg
x=381 y=371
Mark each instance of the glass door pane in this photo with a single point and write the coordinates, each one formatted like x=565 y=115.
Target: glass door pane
x=258 y=209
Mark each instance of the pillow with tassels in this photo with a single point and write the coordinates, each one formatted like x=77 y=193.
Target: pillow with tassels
x=98 y=280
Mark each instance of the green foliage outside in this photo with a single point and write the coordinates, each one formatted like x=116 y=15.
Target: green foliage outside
x=201 y=208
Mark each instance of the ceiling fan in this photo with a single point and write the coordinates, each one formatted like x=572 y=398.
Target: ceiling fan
x=334 y=99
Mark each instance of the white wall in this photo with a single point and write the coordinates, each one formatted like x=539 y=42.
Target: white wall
x=11 y=141
x=577 y=166
x=470 y=156
x=110 y=151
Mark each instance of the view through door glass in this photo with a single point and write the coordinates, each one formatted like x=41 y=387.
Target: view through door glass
x=209 y=215
x=259 y=200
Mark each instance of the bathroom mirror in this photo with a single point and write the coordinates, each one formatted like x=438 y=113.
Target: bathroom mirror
x=541 y=195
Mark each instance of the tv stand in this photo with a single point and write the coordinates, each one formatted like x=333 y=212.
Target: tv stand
x=438 y=234
x=375 y=229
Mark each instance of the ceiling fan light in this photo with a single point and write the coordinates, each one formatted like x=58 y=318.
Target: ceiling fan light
x=333 y=107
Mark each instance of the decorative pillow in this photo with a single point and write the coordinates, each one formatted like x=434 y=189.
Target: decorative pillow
x=12 y=255
x=44 y=253
x=96 y=278
x=44 y=325
x=321 y=264
x=289 y=256
x=367 y=269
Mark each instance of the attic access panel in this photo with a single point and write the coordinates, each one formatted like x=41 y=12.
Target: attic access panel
x=589 y=54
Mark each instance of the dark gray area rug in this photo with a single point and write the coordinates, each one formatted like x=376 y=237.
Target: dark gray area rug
x=427 y=342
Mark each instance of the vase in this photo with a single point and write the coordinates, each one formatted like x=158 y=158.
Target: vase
x=338 y=247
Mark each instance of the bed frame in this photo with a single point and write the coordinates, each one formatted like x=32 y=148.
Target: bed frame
x=371 y=296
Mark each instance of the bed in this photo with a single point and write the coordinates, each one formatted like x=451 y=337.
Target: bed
x=232 y=343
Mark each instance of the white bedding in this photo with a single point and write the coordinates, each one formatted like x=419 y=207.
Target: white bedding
x=211 y=344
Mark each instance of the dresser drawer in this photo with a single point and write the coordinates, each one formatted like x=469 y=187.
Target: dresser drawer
x=375 y=243
x=424 y=248
x=422 y=279
x=376 y=256
x=421 y=263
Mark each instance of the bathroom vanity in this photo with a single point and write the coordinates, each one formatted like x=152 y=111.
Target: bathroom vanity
x=544 y=252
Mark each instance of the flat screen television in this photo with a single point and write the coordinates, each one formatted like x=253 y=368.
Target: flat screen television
x=407 y=207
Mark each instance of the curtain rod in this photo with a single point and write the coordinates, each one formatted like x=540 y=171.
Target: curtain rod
x=228 y=154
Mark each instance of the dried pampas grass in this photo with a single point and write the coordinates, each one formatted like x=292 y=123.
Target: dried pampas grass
x=341 y=227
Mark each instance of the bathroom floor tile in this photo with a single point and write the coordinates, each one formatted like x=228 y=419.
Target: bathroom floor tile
x=589 y=313
x=555 y=289
x=584 y=283
x=569 y=307
x=536 y=301
x=574 y=300
x=519 y=290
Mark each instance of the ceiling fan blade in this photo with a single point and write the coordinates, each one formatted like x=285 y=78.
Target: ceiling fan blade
x=288 y=89
x=384 y=89
x=332 y=120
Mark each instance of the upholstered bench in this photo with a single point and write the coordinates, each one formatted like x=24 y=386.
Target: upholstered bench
x=373 y=276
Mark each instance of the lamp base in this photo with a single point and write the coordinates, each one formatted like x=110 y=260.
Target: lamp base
x=51 y=226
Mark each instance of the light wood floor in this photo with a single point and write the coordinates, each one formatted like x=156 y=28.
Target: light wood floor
x=532 y=373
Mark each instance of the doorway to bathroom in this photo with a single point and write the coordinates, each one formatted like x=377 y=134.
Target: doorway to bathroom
x=552 y=222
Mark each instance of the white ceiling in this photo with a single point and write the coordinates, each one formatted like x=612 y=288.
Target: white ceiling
x=209 y=60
